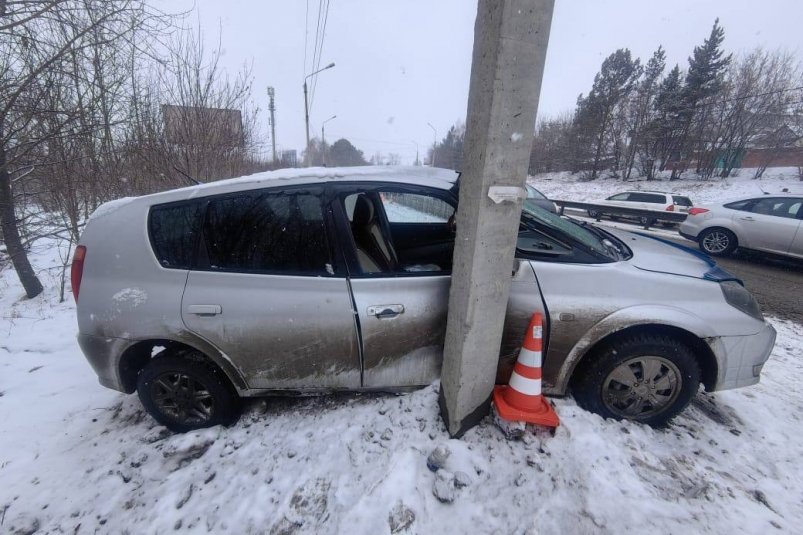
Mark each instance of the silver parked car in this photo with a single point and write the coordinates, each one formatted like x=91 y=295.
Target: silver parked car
x=770 y=224
x=292 y=282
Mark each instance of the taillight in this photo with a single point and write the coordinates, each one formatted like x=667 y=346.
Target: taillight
x=77 y=270
x=697 y=211
x=670 y=208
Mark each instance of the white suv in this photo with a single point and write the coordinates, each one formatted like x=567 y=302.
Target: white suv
x=643 y=200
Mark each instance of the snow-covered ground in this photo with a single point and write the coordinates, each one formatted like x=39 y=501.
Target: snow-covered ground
x=78 y=458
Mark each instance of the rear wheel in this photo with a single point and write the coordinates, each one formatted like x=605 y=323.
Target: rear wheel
x=594 y=213
x=185 y=394
x=645 y=378
x=646 y=221
x=717 y=241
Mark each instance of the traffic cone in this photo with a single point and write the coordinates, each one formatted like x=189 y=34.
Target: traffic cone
x=522 y=400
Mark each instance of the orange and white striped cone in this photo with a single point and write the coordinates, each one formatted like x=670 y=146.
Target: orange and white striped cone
x=521 y=400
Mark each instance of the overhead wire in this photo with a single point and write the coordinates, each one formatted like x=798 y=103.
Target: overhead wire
x=320 y=50
x=306 y=35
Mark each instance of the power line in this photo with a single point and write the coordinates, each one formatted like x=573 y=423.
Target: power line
x=320 y=51
x=306 y=36
x=317 y=36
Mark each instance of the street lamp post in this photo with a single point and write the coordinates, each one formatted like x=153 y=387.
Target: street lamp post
x=306 y=106
x=434 y=144
x=323 y=138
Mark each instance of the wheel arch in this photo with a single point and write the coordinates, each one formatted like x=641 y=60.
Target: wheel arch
x=137 y=355
x=678 y=324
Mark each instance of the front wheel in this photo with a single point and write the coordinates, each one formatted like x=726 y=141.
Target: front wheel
x=717 y=241
x=645 y=378
x=185 y=394
x=595 y=214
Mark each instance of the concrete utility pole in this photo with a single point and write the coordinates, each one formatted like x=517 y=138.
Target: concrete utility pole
x=272 y=108
x=510 y=42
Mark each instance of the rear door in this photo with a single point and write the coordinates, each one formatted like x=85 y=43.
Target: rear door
x=769 y=224
x=269 y=293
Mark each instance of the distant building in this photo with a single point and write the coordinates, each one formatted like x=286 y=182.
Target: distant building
x=289 y=158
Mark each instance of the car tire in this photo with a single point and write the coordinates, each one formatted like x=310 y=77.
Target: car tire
x=644 y=378
x=717 y=241
x=183 y=394
x=646 y=221
x=594 y=213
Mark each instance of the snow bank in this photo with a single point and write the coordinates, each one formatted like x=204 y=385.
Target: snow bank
x=565 y=186
x=75 y=457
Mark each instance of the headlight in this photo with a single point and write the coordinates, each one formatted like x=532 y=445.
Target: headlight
x=738 y=297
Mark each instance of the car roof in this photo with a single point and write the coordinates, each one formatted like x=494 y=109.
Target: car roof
x=648 y=191
x=415 y=175
x=767 y=195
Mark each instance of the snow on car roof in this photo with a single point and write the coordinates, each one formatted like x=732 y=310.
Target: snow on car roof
x=425 y=176
x=416 y=175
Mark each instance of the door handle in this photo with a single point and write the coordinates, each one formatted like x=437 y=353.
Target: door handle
x=385 y=311
x=747 y=218
x=205 y=310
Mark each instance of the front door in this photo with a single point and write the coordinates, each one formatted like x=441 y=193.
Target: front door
x=269 y=295
x=399 y=255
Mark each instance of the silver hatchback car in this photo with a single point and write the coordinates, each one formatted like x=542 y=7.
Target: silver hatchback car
x=314 y=280
x=769 y=224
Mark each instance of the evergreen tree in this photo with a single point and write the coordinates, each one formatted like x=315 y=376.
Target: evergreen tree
x=613 y=82
x=343 y=154
x=449 y=152
x=707 y=68
x=641 y=110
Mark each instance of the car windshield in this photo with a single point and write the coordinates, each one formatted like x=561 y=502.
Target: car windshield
x=533 y=193
x=595 y=241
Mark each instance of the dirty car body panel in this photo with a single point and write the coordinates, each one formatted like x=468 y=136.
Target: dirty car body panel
x=337 y=318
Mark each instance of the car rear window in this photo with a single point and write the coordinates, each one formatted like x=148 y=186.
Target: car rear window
x=174 y=230
x=681 y=201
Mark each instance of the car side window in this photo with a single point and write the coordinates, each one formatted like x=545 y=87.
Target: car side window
x=778 y=207
x=280 y=232
x=620 y=197
x=647 y=197
x=740 y=205
x=174 y=230
x=400 y=233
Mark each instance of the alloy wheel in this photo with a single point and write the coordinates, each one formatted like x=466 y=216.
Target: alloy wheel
x=716 y=241
x=182 y=398
x=641 y=387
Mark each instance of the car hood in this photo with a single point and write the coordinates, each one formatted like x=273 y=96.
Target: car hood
x=651 y=253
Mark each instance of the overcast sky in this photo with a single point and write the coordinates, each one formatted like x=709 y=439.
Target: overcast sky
x=401 y=64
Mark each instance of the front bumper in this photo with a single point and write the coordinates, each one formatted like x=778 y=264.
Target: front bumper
x=741 y=358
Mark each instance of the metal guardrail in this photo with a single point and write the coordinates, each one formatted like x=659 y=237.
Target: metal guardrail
x=652 y=216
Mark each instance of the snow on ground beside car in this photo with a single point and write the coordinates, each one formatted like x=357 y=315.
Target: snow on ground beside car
x=78 y=458
x=566 y=186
